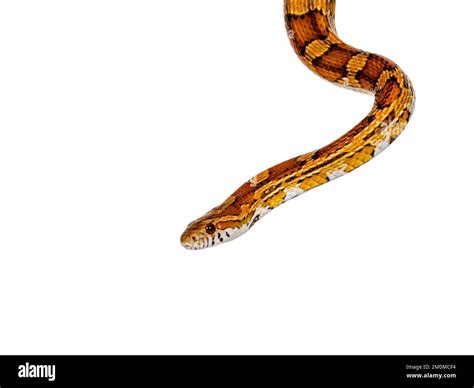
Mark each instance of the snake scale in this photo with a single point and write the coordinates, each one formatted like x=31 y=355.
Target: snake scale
x=311 y=29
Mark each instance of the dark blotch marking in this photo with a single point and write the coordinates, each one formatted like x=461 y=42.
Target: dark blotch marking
x=372 y=71
x=307 y=28
x=389 y=92
x=254 y=221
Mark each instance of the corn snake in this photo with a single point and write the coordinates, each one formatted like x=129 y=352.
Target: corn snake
x=311 y=29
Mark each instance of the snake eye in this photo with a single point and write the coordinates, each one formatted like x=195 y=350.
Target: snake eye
x=210 y=228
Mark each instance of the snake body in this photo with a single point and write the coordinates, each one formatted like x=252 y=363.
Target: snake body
x=311 y=29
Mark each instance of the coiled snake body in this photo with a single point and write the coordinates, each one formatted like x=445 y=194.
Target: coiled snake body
x=311 y=28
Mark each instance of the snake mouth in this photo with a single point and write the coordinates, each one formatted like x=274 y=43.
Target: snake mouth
x=191 y=247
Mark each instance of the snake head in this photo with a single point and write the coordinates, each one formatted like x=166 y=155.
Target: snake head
x=225 y=222
x=204 y=233
x=214 y=228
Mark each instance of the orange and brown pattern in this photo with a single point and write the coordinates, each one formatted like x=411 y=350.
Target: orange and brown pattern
x=312 y=32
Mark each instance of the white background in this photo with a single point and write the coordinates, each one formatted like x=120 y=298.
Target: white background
x=122 y=121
